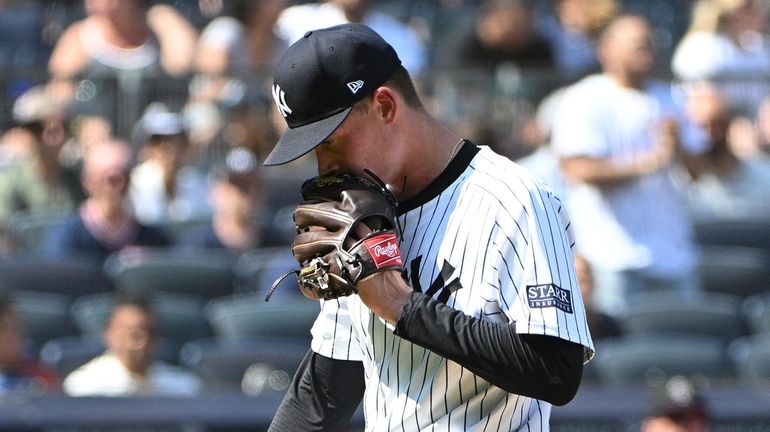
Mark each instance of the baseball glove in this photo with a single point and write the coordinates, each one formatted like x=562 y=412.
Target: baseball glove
x=346 y=231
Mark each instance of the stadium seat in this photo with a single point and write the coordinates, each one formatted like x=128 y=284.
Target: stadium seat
x=178 y=229
x=248 y=315
x=44 y=316
x=635 y=359
x=21 y=44
x=254 y=365
x=751 y=356
x=748 y=233
x=205 y=274
x=738 y=270
x=712 y=314
x=68 y=353
x=257 y=270
x=30 y=230
x=180 y=317
x=72 y=276
x=756 y=309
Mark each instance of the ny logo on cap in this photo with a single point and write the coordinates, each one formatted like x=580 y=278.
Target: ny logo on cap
x=355 y=86
x=280 y=100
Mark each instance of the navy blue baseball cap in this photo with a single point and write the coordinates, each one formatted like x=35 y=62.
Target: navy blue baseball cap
x=320 y=78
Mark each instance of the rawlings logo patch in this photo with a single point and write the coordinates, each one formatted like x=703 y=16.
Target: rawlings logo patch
x=384 y=250
x=549 y=295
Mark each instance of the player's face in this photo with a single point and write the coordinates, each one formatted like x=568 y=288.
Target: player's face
x=356 y=145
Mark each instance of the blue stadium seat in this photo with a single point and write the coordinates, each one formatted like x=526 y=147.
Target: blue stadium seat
x=635 y=359
x=749 y=233
x=44 y=316
x=206 y=274
x=73 y=276
x=751 y=356
x=31 y=229
x=254 y=365
x=712 y=314
x=256 y=271
x=738 y=270
x=180 y=317
x=756 y=309
x=69 y=353
x=248 y=315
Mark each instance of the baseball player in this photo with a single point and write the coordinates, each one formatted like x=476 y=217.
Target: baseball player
x=472 y=319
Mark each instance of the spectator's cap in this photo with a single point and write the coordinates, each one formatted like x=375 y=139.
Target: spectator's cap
x=36 y=105
x=320 y=78
x=240 y=169
x=678 y=397
x=240 y=160
x=158 y=121
x=162 y=123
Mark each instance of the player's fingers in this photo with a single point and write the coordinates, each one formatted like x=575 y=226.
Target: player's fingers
x=309 y=292
x=358 y=231
x=314 y=243
x=326 y=215
x=330 y=266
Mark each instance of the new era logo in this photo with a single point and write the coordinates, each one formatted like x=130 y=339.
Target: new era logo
x=355 y=86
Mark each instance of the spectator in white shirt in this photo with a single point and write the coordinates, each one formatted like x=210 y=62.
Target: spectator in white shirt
x=727 y=45
x=296 y=20
x=618 y=135
x=128 y=366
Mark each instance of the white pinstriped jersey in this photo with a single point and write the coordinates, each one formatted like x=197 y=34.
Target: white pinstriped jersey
x=495 y=244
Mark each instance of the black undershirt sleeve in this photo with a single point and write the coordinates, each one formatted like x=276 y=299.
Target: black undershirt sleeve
x=323 y=396
x=538 y=366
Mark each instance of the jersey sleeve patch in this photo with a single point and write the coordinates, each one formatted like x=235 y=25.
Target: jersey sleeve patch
x=549 y=295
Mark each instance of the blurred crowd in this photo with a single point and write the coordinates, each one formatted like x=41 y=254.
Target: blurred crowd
x=140 y=123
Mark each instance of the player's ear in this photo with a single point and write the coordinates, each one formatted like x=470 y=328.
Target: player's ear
x=385 y=101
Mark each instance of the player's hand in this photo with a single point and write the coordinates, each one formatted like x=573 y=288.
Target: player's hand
x=360 y=231
x=346 y=231
x=385 y=293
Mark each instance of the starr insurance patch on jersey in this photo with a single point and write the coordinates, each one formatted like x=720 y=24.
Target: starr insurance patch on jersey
x=549 y=295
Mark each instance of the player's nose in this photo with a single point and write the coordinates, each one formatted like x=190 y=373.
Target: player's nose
x=326 y=164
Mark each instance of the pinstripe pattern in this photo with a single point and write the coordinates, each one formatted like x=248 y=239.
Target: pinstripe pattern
x=496 y=231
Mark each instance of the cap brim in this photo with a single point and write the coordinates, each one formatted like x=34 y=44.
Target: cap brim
x=296 y=142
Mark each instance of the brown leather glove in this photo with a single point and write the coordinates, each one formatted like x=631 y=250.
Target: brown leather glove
x=346 y=231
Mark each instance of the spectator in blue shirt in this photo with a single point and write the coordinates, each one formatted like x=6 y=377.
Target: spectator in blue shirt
x=104 y=223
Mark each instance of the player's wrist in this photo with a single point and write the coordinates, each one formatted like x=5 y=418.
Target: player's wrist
x=384 y=293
